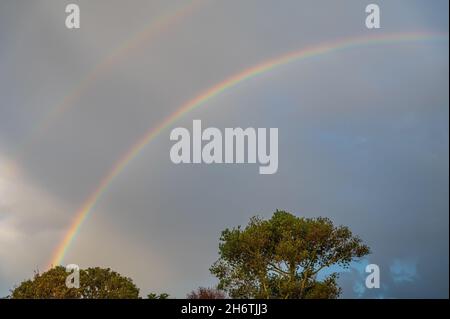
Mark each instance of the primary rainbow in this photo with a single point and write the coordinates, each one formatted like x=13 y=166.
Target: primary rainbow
x=212 y=92
x=155 y=28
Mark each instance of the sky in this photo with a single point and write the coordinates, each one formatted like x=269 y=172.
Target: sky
x=363 y=135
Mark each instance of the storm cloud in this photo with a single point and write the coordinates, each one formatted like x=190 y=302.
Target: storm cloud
x=363 y=136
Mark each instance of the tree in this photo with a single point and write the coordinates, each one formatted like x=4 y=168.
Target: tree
x=282 y=257
x=152 y=295
x=206 y=293
x=95 y=282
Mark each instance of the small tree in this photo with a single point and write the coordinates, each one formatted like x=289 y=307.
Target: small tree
x=95 y=283
x=152 y=295
x=206 y=293
x=281 y=257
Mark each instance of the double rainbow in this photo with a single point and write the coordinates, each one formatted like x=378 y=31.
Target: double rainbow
x=214 y=91
x=158 y=25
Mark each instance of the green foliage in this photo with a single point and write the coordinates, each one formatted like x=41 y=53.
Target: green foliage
x=156 y=296
x=206 y=293
x=95 y=282
x=281 y=257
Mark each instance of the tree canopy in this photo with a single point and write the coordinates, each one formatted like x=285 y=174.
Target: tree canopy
x=283 y=256
x=95 y=283
x=206 y=293
x=153 y=295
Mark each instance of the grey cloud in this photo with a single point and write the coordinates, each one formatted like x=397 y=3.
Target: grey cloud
x=363 y=136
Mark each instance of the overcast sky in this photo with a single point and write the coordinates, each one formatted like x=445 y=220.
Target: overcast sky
x=363 y=136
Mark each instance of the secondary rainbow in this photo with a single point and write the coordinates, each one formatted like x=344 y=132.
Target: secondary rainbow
x=152 y=30
x=212 y=92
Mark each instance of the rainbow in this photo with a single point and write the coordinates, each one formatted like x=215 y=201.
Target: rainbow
x=212 y=92
x=155 y=28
